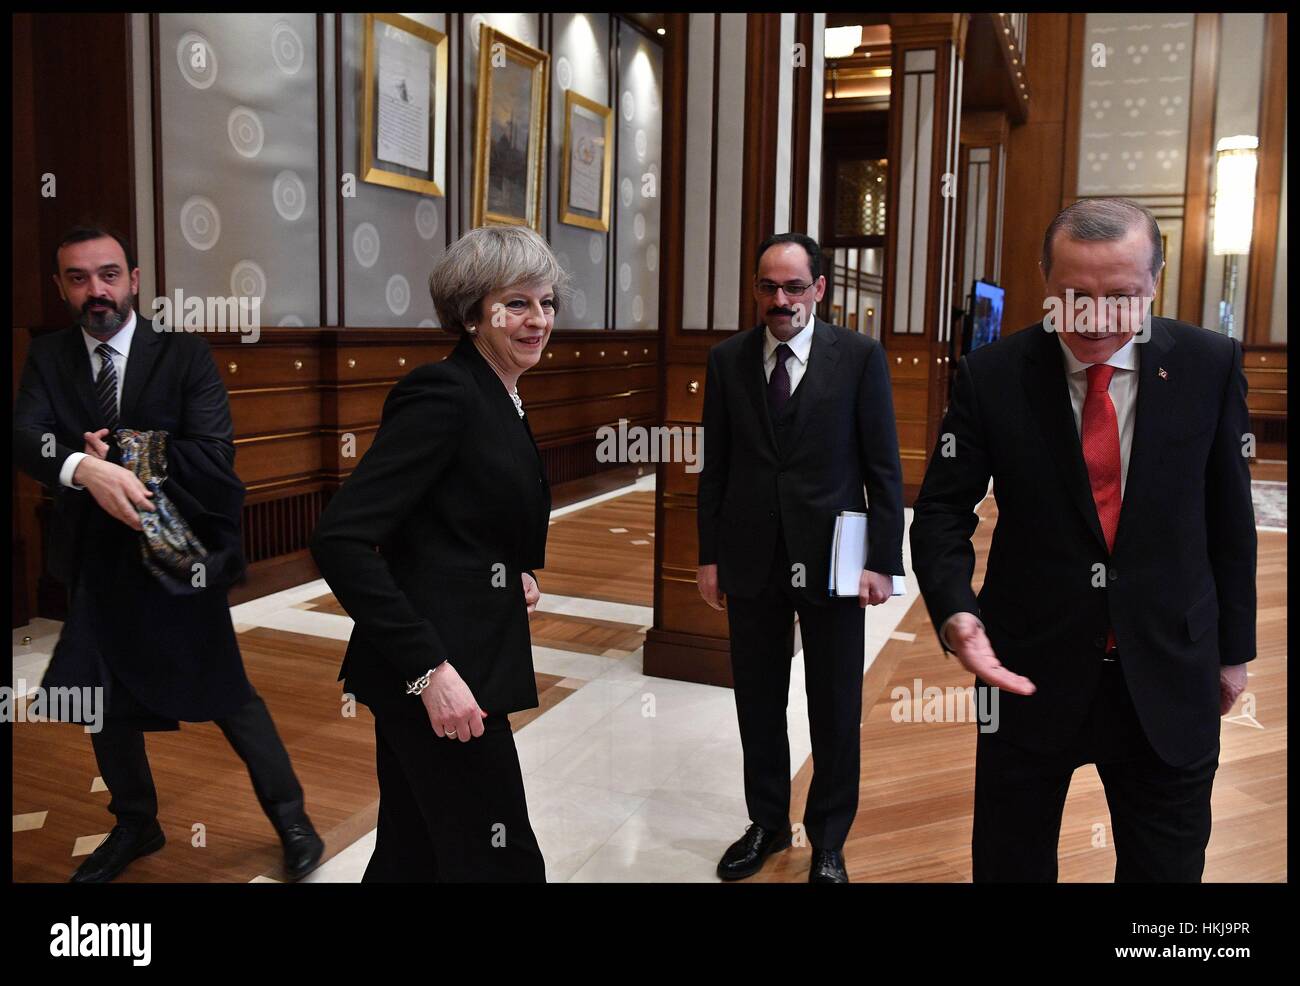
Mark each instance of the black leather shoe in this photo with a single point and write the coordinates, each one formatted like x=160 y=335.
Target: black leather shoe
x=745 y=856
x=115 y=853
x=827 y=867
x=303 y=849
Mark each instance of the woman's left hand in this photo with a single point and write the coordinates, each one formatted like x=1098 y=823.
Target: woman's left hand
x=531 y=592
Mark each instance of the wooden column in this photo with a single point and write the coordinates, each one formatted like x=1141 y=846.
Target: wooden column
x=72 y=147
x=924 y=126
x=689 y=640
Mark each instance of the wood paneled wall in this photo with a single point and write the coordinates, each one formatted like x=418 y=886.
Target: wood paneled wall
x=307 y=404
x=60 y=97
x=1036 y=156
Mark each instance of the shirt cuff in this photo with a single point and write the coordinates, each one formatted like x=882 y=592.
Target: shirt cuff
x=69 y=469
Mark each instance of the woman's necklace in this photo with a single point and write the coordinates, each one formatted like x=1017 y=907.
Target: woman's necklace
x=519 y=404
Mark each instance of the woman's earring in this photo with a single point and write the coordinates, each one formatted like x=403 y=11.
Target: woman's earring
x=472 y=329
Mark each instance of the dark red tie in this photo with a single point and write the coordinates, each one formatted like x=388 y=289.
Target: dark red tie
x=1101 y=454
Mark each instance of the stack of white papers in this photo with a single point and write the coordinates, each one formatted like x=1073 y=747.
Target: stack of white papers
x=849 y=555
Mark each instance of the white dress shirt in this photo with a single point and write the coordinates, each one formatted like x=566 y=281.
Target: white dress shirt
x=1123 y=394
x=800 y=346
x=121 y=346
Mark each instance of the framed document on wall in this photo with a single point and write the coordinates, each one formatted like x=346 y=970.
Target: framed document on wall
x=509 y=131
x=588 y=162
x=404 y=105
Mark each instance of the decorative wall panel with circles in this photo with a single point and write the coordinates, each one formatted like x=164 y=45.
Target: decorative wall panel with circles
x=200 y=222
x=245 y=130
x=289 y=195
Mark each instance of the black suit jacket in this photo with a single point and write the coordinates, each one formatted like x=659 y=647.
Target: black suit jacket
x=424 y=543
x=841 y=441
x=1179 y=589
x=176 y=654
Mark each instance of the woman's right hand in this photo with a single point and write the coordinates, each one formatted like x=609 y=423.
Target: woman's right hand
x=453 y=710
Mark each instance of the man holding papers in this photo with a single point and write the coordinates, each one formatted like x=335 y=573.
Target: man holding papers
x=798 y=420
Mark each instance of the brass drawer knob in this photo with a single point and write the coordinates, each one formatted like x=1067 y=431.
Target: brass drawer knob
x=232 y=367
x=915 y=360
x=401 y=361
x=352 y=364
x=693 y=386
x=297 y=364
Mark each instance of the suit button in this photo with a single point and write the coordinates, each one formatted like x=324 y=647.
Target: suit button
x=771 y=513
x=1099 y=642
x=1113 y=575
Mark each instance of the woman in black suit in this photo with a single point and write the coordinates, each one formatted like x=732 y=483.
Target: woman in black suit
x=430 y=546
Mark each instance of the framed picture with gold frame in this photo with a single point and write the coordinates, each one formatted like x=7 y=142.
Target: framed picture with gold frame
x=588 y=162
x=404 y=105
x=509 y=131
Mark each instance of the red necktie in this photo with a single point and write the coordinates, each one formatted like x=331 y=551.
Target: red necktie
x=1101 y=455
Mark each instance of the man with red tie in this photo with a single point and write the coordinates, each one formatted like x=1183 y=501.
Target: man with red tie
x=1117 y=612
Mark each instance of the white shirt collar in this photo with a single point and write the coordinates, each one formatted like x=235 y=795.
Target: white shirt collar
x=800 y=345
x=121 y=340
x=1124 y=358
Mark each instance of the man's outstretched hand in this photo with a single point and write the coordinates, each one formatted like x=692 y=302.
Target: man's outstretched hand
x=966 y=637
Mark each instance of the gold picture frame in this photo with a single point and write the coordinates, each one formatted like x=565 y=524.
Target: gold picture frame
x=508 y=178
x=399 y=33
x=582 y=148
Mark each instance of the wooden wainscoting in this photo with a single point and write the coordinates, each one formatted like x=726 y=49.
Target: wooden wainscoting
x=1266 y=379
x=307 y=404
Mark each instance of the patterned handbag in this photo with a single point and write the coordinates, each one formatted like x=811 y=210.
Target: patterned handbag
x=168 y=545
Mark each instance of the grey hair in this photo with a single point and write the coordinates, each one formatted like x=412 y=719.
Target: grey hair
x=1103 y=220
x=488 y=259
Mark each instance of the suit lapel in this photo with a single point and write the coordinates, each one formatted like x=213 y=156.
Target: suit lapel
x=1153 y=400
x=755 y=382
x=523 y=447
x=145 y=347
x=1049 y=400
x=817 y=378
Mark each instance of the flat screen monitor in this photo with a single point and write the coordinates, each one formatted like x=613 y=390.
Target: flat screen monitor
x=986 y=313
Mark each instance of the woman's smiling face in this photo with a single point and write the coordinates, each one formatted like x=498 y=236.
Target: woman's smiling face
x=515 y=325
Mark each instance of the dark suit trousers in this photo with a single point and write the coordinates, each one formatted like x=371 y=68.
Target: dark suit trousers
x=762 y=646
x=450 y=812
x=1160 y=815
x=120 y=752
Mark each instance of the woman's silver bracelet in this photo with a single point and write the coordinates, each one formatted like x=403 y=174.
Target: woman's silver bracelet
x=420 y=683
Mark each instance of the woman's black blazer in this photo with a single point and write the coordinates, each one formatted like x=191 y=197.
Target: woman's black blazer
x=424 y=543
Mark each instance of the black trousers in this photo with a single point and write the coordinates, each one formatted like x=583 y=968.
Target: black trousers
x=1160 y=815
x=120 y=753
x=450 y=812
x=762 y=646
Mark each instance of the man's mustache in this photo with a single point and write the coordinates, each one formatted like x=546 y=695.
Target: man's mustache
x=106 y=302
x=789 y=313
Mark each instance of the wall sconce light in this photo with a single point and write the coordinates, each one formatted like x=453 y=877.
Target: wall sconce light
x=1234 y=216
